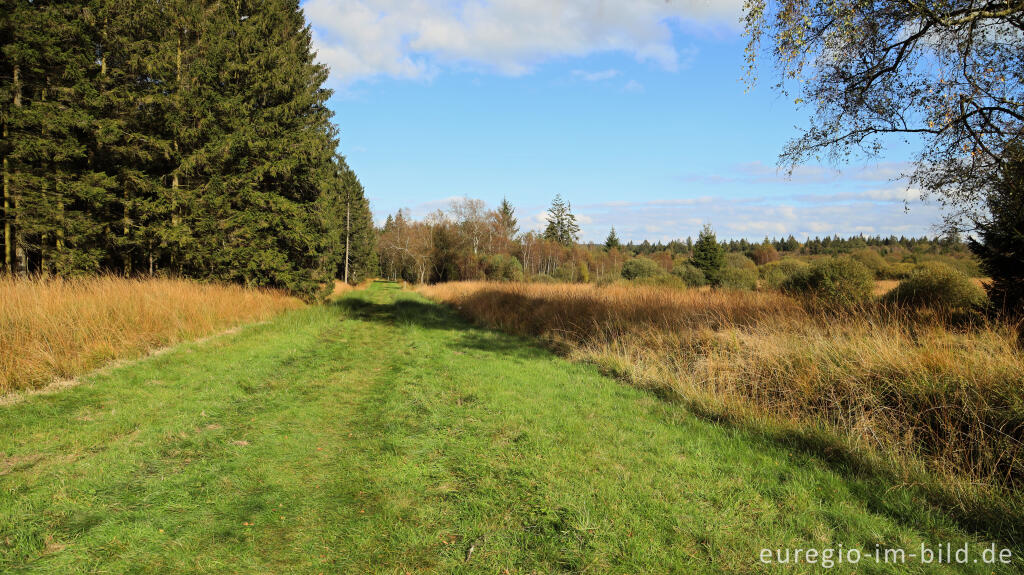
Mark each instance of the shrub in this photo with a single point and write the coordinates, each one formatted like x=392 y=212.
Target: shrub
x=738 y=278
x=763 y=254
x=739 y=261
x=543 y=279
x=872 y=260
x=638 y=268
x=939 y=286
x=898 y=271
x=501 y=267
x=689 y=275
x=582 y=272
x=835 y=281
x=773 y=274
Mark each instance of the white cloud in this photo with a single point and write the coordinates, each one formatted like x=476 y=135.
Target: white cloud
x=595 y=76
x=414 y=38
x=869 y=212
x=633 y=87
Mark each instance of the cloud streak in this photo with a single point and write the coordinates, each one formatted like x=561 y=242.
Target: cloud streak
x=414 y=39
x=869 y=212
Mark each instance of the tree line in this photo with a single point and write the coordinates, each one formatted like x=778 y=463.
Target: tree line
x=469 y=241
x=184 y=137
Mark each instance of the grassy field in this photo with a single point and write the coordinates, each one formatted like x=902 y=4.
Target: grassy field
x=911 y=389
x=382 y=434
x=59 y=328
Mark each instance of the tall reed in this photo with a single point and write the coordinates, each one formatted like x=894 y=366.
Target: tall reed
x=900 y=385
x=60 y=328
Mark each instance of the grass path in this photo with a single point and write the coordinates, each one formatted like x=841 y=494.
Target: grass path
x=381 y=434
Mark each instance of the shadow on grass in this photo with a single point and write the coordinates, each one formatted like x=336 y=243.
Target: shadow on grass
x=993 y=517
x=435 y=316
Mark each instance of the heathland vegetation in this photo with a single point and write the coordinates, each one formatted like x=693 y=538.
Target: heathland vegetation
x=907 y=385
x=383 y=434
x=57 y=329
x=170 y=172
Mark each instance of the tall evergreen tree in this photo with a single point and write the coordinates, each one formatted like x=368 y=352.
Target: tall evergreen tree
x=508 y=225
x=188 y=137
x=52 y=188
x=562 y=226
x=358 y=238
x=612 y=241
x=1000 y=243
x=708 y=255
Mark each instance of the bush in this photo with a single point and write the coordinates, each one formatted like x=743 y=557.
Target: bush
x=640 y=267
x=582 y=272
x=739 y=261
x=763 y=254
x=501 y=267
x=689 y=275
x=774 y=274
x=939 y=286
x=738 y=278
x=835 y=281
x=872 y=260
x=543 y=279
x=898 y=271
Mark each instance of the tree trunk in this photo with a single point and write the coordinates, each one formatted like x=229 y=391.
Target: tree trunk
x=348 y=235
x=10 y=251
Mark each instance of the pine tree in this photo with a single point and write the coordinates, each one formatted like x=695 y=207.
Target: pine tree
x=562 y=226
x=52 y=188
x=612 y=241
x=187 y=136
x=129 y=143
x=508 y=225
x=359 y=240
x=708 y=255
x=277 y=151
x=1000 y=243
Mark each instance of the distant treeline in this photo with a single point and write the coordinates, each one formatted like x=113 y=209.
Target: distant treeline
x=829 y=245
x=182 y=137
x=471 y=242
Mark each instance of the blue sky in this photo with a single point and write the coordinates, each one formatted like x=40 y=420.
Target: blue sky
x=636 y=112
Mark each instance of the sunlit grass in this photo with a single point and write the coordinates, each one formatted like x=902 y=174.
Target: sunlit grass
x=912 y=389
x=383 y=434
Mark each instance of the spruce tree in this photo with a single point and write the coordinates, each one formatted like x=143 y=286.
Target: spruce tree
x=1000 y=242
x=508 y=225
x=53 y=190
x=612 y=241
x=129 y=143
x=562 y=226
x=188 y=137
x=708 y=256
x=358 y=237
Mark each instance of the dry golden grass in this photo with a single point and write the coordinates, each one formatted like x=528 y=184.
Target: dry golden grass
x=883 y=287
x=60 y=328
x=910 y=389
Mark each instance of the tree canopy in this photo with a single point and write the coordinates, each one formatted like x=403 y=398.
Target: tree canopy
x=185 y=138
x=946 y=75
x=562 y=226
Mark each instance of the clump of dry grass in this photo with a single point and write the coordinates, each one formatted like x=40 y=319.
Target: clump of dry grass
x=908 y=387
x=60 y=328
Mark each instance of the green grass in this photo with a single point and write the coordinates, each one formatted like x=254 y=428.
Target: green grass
x=381 y=434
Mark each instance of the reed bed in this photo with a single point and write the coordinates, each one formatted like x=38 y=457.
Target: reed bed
x=55 y=328
x=910 y=388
